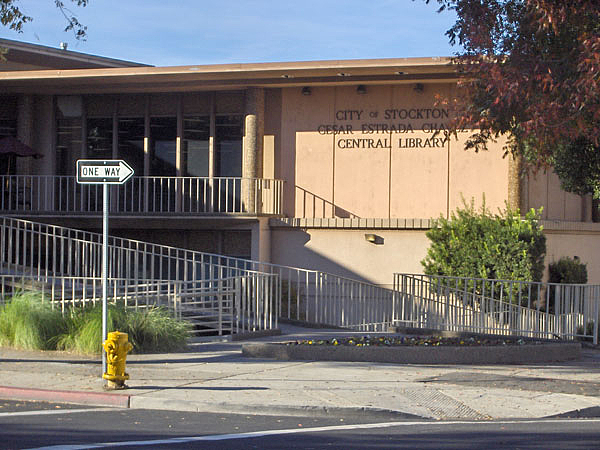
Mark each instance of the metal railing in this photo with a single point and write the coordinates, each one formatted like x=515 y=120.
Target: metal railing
x=299 y=294
x=44 y=194
x=545 y=310
x=222 y=306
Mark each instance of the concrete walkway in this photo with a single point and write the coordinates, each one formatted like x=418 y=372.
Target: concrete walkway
x=215 y=377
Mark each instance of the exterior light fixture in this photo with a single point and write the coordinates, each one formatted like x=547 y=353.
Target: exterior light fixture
x=374 y=239
x=306 y=90
x=343 y=74
x=419 y=87
x=361 y=89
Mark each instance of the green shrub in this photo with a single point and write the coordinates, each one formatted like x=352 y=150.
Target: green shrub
x=568 y=270
x=478 y=244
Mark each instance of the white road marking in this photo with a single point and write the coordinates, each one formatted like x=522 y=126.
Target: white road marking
x=42 y=412
x=255 y=434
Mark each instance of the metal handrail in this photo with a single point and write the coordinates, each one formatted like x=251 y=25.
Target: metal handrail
x=511 y=307
x=300 y=294
x=44 y=194
x=220 y=306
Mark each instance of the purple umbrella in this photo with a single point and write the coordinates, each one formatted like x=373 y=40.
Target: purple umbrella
x=10 y=148
x=11 y=145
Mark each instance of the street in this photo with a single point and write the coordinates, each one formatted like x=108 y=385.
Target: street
x=26 y=425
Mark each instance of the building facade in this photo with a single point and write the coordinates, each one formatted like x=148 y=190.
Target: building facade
x=336 y=166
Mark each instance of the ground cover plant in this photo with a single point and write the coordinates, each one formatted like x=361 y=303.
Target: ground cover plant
x=427 y=341
x=26 y=321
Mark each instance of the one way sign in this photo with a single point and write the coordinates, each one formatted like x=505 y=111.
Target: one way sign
x=103 y=171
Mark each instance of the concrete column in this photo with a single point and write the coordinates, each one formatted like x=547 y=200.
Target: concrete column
x=515 y=194
x=261 y=241
x=254 y=130
x=586 y=208
x=25 y=130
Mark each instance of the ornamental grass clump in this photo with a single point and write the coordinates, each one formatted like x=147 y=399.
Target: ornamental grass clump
x=28 y=322
x=149 y=330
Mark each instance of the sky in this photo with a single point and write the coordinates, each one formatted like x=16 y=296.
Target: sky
x=188 y=32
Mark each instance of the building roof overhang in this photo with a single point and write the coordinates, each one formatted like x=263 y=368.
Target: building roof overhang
x=230 y=76
x=23 y=56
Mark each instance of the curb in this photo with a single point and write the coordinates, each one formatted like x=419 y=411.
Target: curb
x=168 y=404
x=77 y=397
x=510 y=354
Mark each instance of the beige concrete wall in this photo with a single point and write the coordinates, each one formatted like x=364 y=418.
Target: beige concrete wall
x=584 y=244
x=376 y=155
x=347 y=252
x=543 y=190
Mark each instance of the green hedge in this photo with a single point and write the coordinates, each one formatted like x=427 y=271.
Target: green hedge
x=479 y=244
x=568 y=270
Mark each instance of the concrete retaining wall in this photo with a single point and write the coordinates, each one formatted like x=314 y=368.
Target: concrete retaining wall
x=509 y=354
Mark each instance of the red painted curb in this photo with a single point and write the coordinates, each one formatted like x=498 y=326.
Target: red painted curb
x=79 y=397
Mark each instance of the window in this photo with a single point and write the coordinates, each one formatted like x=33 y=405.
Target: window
x=68 y=133
x=163 y=134
x=131 y=142
x=229 y=131
x=99 y=138
x=195 y=148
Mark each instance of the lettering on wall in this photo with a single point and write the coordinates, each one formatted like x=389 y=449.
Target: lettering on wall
x=389 y=128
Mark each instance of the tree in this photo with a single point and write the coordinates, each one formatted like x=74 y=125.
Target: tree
x=531 y=71
x=13 y=17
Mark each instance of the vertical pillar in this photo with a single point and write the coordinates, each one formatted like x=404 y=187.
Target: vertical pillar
x=25 y=130
x=515 y=197
x=179 y=160
x=586 y=208
x=261 y=241
x=254 y=125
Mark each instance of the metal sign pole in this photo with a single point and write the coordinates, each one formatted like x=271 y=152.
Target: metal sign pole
x=104 y=268
x=104 y=172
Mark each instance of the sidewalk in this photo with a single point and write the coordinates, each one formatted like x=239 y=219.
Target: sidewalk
x=215 y=377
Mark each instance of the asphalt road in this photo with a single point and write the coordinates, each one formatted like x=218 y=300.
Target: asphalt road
x=25 y=425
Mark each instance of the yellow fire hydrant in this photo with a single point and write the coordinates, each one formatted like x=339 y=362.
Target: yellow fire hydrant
x=116 y=347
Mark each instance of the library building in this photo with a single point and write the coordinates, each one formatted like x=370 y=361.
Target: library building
x=335 y=166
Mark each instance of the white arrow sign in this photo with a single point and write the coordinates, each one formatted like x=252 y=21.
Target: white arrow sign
x=103 y=171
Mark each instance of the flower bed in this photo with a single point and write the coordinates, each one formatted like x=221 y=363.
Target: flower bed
x=418 y=350
x=392 y=341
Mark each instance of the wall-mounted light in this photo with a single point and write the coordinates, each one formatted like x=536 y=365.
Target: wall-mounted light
x=306 y=90
x=419 y=87
x=374 y=239
x=361 y=89
x=343 y=74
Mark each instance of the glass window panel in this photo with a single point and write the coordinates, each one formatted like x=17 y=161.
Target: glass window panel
x=163 y=134
x=228 y=145
x=8 y=127
x=131 y=143
x=99 y=138
x=68 y=144
x=196 y=133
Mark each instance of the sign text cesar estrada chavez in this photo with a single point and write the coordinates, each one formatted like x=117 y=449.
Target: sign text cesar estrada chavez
x=374 y=129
